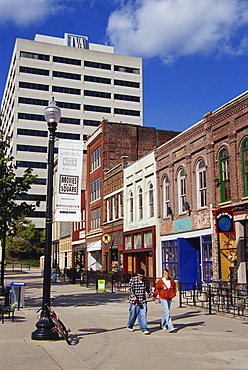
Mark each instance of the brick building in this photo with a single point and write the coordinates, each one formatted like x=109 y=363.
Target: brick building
x=113 y=215
x=105 y=147
x=201 y=171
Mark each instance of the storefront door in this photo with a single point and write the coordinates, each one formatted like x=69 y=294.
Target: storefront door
x=188 y=260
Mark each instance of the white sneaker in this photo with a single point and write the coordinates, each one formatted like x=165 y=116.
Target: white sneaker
x=146 y=332
x=130 y=329
x=170 y=331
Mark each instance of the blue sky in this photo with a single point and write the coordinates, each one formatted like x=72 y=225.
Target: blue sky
x=195 y=52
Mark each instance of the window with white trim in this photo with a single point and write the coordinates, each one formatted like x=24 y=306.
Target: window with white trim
x=130 y=206
x=166 y=197
x=201 y=184
x=151 y=199
x=181 y=191
x=140 y=203
x=95 y=189
x=95 y=218
x=96 y=159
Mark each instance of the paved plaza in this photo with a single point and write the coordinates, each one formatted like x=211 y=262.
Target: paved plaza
x=100 y=340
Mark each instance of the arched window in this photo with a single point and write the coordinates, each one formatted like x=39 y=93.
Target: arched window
x=225 y=190
x=201 y=184
x=181 y=192
x=130 y=206
x=245 y=165
x=166 y=197
x=151 y=199
x=140 y=203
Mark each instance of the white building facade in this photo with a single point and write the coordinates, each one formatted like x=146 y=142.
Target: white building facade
x=140 y=221
x=89 y=82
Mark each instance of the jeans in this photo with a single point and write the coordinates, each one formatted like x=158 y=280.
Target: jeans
x=166 y=318
x=140 y=311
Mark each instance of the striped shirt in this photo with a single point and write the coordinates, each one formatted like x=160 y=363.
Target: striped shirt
x=139 y=289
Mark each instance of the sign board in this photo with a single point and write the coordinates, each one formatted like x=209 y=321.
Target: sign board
x=224 y=221
x=69 y=174
x=101 y=285
x=77 y=41
x=106 y=238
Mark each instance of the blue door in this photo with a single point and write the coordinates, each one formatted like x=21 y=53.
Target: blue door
x=188 y=260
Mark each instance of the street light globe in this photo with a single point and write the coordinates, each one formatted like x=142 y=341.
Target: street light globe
x=52 y=113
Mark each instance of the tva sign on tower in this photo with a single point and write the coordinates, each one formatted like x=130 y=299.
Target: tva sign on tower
x=77 y=41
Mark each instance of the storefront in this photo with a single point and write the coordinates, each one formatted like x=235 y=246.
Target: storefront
x=139 y=251
x=188 y=256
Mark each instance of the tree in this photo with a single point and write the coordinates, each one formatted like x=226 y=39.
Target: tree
x=11 y=188
x=26 y=243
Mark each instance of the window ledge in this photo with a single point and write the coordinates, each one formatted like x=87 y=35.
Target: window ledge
x=225 y=203
x=202 y=209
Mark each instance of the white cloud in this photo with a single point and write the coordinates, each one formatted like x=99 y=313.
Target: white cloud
x=24 y=12
x=171 y=28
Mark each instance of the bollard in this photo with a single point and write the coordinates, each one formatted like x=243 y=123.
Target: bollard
x=209 y=300
x=180 y=294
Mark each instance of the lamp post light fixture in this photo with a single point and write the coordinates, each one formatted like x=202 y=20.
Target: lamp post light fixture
x=43 y=332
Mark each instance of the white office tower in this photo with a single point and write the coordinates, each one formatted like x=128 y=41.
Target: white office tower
x=89 y=82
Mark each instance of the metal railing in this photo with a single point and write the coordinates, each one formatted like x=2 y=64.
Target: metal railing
x=114 y=281
x=218 y=296
x=13 y=266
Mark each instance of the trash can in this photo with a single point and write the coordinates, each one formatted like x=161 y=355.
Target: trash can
x=17 y=294
x=54 y=275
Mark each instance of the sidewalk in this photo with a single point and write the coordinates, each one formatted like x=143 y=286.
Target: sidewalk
x=100 y=340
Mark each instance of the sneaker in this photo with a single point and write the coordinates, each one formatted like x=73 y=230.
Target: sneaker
x=130 y=329
x=146 y=332
x=165 y=328
x=173 y=329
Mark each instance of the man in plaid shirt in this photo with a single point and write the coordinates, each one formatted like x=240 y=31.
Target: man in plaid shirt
x=138 y=287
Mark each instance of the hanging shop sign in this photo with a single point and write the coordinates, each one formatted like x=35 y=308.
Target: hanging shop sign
x=224 y=221
x=106 y=238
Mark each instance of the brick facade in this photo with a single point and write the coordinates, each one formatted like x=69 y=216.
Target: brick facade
x=224 y=129
x=115 y=140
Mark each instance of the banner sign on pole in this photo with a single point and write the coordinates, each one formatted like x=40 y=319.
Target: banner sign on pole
x=69 y=175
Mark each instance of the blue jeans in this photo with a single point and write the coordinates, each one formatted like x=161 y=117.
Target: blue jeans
x=140 y=311
x=166 y=318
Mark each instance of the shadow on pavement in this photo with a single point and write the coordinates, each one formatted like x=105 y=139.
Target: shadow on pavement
x=84 y=299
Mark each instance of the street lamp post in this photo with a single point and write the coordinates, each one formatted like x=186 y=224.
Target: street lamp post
x=43 y=332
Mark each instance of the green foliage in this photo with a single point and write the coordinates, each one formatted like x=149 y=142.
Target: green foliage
x=26 y=243
x=12 y=188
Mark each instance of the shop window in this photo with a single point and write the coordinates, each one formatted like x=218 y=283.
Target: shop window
x=148 y=239
x=137 y=241
x=170 y=257
x=201 y=184
x=207 y=259
x=245 y=166
x=224 y=166
x=128 y=242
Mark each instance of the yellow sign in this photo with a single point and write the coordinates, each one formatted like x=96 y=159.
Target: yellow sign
x=101 y=285
x=106 y=238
